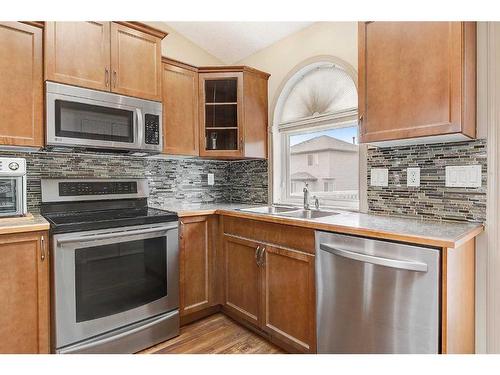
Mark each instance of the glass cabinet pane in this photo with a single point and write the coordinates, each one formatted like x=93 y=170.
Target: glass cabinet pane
x=113 y=278
x=221 y=139
x=221 y=90
x=221 y=115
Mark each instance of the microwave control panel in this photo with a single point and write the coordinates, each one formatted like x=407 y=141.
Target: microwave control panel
x=152 y=129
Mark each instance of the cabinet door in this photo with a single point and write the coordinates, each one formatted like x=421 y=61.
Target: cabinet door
x=196 y=264
x=21 y=85
x=416 y=79
x=242 y=281
x=289 y=298
x=221 y=114
x=255 y=116
x=77 y=53
x=24 y=292
x=180 y=110
x=135 y=63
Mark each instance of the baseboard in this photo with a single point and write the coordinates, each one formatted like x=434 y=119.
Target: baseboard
x=200 y=314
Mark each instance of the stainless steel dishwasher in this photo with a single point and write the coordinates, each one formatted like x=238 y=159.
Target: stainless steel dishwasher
x=376 y=296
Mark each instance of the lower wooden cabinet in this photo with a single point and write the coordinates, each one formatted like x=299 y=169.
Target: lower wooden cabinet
x=288 y=297
x=273 y=288
x=197 y=262
x=24 y=293
x=242 y=279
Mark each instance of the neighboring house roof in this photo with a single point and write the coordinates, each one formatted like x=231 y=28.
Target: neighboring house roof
x=302 y=176
x=323 y=143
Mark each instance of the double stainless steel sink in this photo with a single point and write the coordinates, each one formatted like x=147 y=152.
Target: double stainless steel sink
x=293 y=212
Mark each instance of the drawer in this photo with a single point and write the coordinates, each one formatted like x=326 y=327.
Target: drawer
x=288 y=236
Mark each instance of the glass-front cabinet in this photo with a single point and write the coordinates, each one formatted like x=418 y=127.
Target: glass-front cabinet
x=221 y=114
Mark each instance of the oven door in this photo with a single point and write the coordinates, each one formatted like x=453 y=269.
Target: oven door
x=107 y=279
x=86 y=118
x=11 y=196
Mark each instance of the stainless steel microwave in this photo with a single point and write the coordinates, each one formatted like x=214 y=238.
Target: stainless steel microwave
x=90 y=119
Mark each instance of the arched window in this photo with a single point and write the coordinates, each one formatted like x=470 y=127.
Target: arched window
x=315 y=135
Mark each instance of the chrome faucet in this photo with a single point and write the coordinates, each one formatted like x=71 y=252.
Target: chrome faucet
x=306 y=197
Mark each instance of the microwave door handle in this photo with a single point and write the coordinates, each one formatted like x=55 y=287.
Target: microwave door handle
x=119 y=234
x=386 y=262
x=139 y=127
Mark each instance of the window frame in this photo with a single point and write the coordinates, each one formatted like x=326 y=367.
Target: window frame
x=278 y=146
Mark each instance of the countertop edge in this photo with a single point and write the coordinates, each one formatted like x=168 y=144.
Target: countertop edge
x=367 y=232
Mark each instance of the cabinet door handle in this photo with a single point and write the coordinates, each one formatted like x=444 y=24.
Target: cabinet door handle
x=114 y=78
x=106 y=76
x=262 y=260
x=360 y=121
x=181 y=231
x=43 y=249
x=257 y=251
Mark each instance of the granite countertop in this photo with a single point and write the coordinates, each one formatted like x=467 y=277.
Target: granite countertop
x=416 y=231
x=28 y=223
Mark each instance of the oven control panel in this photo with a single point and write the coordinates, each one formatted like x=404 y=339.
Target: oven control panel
x=68 y=189
x=152 y=129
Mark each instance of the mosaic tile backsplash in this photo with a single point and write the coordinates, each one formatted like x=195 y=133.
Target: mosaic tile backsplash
x=170 y=179
x=432 y=200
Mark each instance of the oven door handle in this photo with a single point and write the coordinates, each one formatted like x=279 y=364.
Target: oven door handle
x=104 y=236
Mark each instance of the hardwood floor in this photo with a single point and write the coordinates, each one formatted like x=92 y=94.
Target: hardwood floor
x=216 y=334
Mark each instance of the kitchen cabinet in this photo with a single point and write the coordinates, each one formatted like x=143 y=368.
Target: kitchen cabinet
x=78 y=53
x=270 y=281
x=135 y=62
x=121 y=57
x=198 y=236
x=417 y=82
x=233 y=112
x=288 y=298
x=21 y=86
x=242 y=281
x=180 y=108
x=24 y=292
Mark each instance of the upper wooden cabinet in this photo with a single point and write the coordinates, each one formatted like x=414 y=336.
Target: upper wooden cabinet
x=180 y=108
x=135 y=62
x=21 y=85
x=78 y=53
x=417 y=81
x=122 y=57
x=233 y=112
x=24 y=292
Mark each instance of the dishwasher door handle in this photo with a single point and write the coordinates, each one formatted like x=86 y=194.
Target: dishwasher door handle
x=386 y=262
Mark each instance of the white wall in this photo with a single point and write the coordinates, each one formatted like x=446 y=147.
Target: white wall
x=178 y=47
x=339 y=39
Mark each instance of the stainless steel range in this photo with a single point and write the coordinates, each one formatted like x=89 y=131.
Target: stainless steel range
x=115 y=261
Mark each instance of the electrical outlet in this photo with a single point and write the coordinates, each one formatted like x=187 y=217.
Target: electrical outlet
x=413 y=177
x=379 y=177
x=210 y=178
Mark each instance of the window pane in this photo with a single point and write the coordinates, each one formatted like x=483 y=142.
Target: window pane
x=327 y=161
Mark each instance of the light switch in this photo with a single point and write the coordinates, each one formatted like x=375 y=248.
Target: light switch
x=463 y=176
x=210 y=178
x=379 y=177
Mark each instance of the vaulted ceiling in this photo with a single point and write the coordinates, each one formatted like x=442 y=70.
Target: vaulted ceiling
x=233 y=41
